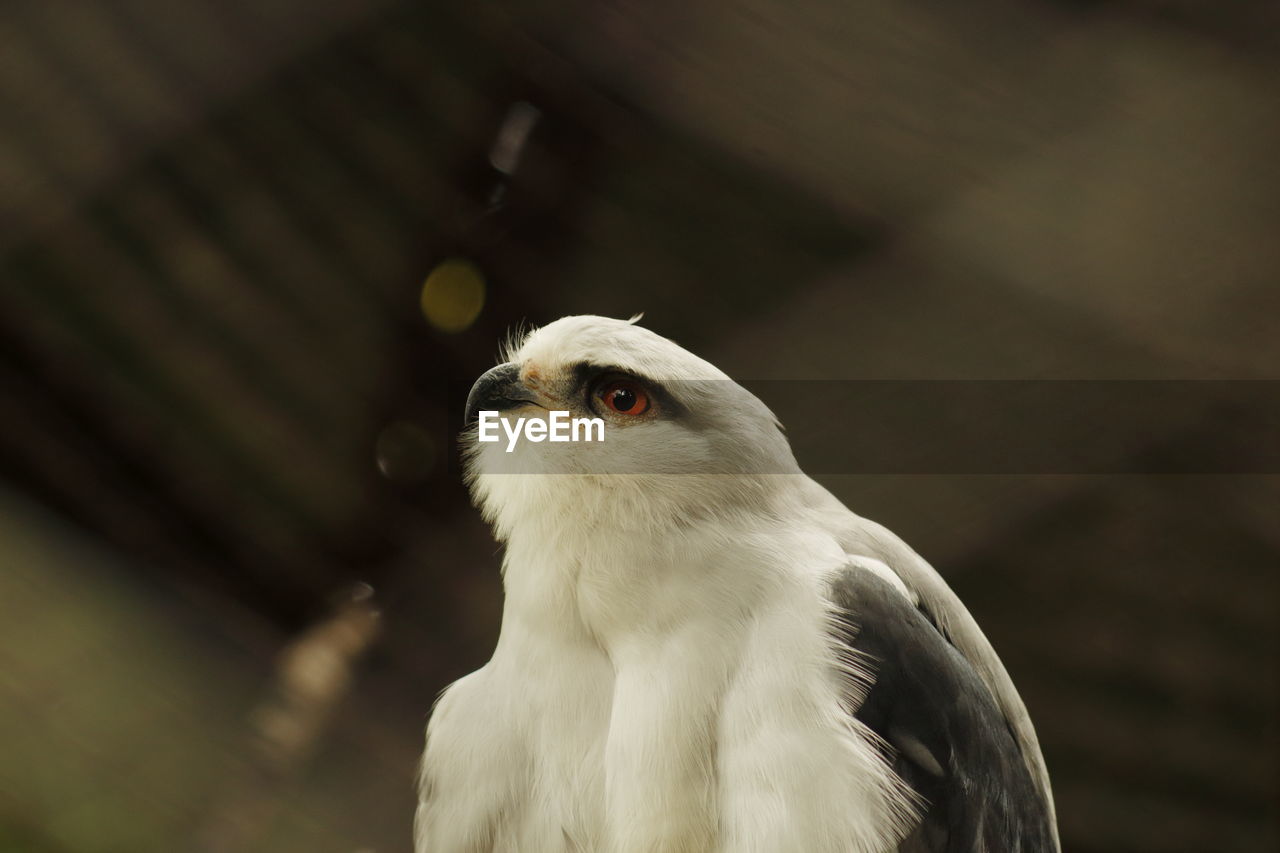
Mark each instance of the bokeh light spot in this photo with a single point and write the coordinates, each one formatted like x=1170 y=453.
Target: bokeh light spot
x=453 y=295
x=405 y=452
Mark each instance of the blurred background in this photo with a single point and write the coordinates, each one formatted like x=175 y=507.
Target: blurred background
x=253 y=253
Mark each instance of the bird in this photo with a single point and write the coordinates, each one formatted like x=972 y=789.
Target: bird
x=701 y=649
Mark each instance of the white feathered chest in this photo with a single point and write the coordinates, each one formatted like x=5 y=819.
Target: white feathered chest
x=661 y=700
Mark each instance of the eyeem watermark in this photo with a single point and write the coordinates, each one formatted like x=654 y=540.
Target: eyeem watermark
x=558 y=426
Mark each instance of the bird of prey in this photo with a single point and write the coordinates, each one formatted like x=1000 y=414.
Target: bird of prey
x=701 y=649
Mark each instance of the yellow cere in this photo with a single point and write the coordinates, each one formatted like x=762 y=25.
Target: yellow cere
x=453 y=295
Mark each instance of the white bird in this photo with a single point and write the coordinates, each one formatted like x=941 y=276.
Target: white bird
x=702 y=650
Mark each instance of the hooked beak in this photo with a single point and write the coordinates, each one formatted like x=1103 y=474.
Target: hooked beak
x=497 y=390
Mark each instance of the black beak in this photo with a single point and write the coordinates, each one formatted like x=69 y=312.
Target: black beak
x=495 y=391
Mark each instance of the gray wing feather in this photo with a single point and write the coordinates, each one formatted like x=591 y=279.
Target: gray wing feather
x=947 y=736
x=861 y=536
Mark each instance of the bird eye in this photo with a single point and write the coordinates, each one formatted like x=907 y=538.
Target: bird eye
x=625 y=396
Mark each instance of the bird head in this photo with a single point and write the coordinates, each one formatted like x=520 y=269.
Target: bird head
x=662 y=433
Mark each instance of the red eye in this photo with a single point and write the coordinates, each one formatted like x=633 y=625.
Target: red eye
x=625 y=397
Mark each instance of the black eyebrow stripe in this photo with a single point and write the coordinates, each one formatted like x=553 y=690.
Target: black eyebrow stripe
x=587 y=373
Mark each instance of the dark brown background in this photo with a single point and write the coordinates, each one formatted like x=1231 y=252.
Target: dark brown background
x=215 y=219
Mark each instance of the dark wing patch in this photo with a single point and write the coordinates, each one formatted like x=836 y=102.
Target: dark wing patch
x=949 y=741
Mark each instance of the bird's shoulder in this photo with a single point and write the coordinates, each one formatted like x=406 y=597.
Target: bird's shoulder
x=470 y=757
x=943 y=731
